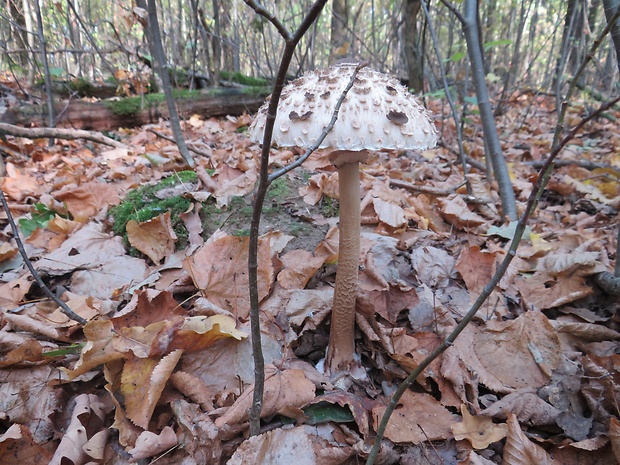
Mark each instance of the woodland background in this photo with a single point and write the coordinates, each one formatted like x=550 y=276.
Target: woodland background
x=152 y=361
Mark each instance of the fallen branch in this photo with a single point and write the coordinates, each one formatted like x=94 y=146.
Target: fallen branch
x=424 y=189
x=64 y=308
x=189 y=144
x=58 y=133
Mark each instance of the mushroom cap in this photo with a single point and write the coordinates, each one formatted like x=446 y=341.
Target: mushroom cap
x=377 y=113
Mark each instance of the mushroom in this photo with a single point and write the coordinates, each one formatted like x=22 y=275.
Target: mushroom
x=377 y=113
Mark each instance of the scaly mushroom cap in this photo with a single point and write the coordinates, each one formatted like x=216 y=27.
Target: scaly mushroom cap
x=377 y=113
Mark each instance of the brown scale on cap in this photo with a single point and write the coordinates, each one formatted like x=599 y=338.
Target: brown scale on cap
x=377 y=113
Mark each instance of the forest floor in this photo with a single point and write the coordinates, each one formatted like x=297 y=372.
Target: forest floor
x=162 y=370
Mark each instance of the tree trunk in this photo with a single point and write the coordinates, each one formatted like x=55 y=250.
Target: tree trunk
x=163 y=70
x=500 y=170
x=611 y=9
x=413 y=55
x=339 y=42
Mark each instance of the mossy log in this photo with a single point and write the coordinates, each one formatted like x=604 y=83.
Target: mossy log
x=137 y=111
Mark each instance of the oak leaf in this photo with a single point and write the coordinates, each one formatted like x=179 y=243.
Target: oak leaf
x=479 y=430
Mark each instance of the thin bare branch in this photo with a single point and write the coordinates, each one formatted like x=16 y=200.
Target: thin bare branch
x=488 y=288
x=64 y=308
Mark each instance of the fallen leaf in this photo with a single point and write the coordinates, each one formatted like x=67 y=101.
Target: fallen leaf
x=519 y=450
x=286 y=392
x=417 y=418
x=154 y=238
x=479 y=430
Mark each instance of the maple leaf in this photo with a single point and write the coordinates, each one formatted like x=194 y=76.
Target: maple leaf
x=479 y=430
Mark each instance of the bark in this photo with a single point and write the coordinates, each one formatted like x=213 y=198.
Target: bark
x=339 y=42
x=611 y=9
x=413 y=53
x=162 y=69
x=500 y=170
x=100 y=115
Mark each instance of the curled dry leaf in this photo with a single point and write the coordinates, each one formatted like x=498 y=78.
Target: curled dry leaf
x=149 y=444
x=142 y=382
x=479 y=430
x=519 y=450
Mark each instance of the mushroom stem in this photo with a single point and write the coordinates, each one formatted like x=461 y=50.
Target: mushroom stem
x=341 y=347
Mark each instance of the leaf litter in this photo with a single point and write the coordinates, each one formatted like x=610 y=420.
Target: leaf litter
x=163 y=369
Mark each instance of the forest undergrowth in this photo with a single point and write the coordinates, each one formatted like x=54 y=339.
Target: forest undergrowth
x=162 y=370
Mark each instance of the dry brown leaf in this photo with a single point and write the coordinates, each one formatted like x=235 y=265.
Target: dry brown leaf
x=479 y=430
x=527 y=406
x=542 y=290
x=614 y=437
x=142 y=382
x=389 y=213
x=26 y=353
x=98 y=350
x=85 y=249
x=19 y=183
x=199 y=332
x=17 y=447
x=7 y=251
x=193 y=388
x=299 y=266
x=149 y=444
x=520 y=354
x=219 y=268
x=434 y=267
x=301 y=445
x=88 y=415
x=28 y=397
x=418 y=418
x=12 y=293
x=586 y=331
x=155 y=238
x=286 y=392
x=519 y=450
x=476 y=268
x=456 y=212
x=54 y=234
x=87 y=200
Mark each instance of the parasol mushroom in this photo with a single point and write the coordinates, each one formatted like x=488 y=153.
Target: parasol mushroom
x=377 y=113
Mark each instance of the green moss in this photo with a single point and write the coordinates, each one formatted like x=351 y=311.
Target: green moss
x=81 y=86
x=245 y=80
x=329 y=207
x=131 y=105
x=143 y=203
x=278 y=189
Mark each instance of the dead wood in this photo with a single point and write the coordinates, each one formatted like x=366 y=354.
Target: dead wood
x=100 y=116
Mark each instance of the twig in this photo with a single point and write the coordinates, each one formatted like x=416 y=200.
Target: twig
x=57 y=133
x=189 y=146
x=486 y=291
x=424 y=189
x=64 y=308
x=291 y=41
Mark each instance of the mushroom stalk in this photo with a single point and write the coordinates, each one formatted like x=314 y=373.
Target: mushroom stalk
x=341 y=347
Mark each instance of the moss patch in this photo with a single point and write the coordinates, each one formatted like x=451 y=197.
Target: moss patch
x=131 y=105
x=149 y=201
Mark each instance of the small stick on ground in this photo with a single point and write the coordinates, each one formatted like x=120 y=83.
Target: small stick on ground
x=64 y=308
